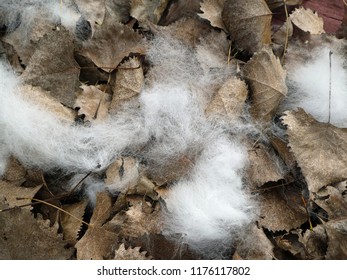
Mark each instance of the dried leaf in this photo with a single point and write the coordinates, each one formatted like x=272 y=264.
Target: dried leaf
x=278 y=212
x=130 y=254
x=148 y=10
x=111 y=42
x=15 y=172
x=92 y=10
x=102 y=209
x=308 y=21
x=313 y=142
x=71 y=226
x=11 y=193
x=290 y=242
x=180 y=9
x=315 y=242
x=53 y=67
x=93 y=103
x=129 y=82
x=229 y=101
x=249 y=23
x=283 y=151
x=144 y=187
x=118 y=10
x=25 y=238
x=273 y=4
x=212 y=11
x=266 y=79
x=264 y=166
x=284 y=33
x=337 y=235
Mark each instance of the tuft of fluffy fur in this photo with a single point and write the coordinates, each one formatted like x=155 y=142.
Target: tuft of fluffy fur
x=308 y=83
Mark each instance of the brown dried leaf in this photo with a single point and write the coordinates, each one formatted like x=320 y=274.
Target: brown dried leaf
x=25 y=238
x=144 y=187
x=260 y=250
x=264 y=166
x=93 y=103
x=130 y=254
x=212 y=11
x=180 y=9
x=71 y=226
x=102 y=210
x=229 y=101
x=92 y=10
x=290 y=242
x=320 y=149
x=279 y=209
x=111 y=42
x=273 y=4
x=10 y=193
x=337 y=235
x=308 y=21
x=118 y=10
x=148 y=10
x=53 y=67
x=283 y=151
x=332 y=201
x=266 y=78
x=315 y=242
x=15 y=172
x=249 y=23
x=282 y=35
x=129 y=82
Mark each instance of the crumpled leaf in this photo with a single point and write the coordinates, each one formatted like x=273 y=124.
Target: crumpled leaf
x=98 y=243
x=24 y=237
x=273 y=4
x=337 y=235
x=71 y=226
x=314 y=142
x=279 y=209
x=332 y=201
x=130 y=254
x=118 y=10
x=307 y=20
x=266 y=78
x=53 y=67
x=264 y=166
x=11 y=192
x=212 y=11
x=249 y=23
x=148 y=10
x=315 y=242
x=260 y=250
x=229 y=101
x=290 y=242
x=92 y=10
x=283 y=151
x=284 y=33
x=15 y=172
x=180 y=9
x=111 y=42
x=93 y=103
x=129 y=82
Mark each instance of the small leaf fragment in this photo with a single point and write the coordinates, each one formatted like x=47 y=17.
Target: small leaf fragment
x=308 y=21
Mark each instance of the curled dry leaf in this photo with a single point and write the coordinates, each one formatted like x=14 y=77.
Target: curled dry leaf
x=290 y=242
x=129 y=82
x=260 y=250
x=93 y=103
x=148 y=10
x=279 y=209
x=111 y=42
x=229 y=102
x=249 y=23
x=315 y=242
x=53 y=67
x=283 y=151
x=266 y=78
x=264 y=166
x=212 y=11
x=320 y=149
x=38 y=241
x=180 y=9
x=307 y=20
x=337 y=235
x=273 y=4
x=70 y=225
x=130 y=254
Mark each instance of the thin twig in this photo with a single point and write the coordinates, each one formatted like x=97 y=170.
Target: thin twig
x=330 y=53
x=287 y=31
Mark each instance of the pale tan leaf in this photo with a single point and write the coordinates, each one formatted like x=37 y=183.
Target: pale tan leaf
x=315 y=242
x=212 y=11
x=111 y=42
x=11 y=193
x=262 y=249
x=130 y=254
x=148 y=10
x=15 y=172
x=264 y=167
x=278 y=211
x=53 y=67
x=70 y=225
x=266 y=78
x=24 y=237
x=129 y=82
x=102 y=209
x=273 y=4
x=229 y=101
x=92 y=10
x=144 y=187
x=308 y=21
x=320 y=149
x=337 y=235
x=249 y=23
x=93 y=103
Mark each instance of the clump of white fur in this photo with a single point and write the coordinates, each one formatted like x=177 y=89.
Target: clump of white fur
x=309 y=85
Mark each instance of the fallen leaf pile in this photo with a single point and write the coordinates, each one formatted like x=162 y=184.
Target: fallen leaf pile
x=298 y=179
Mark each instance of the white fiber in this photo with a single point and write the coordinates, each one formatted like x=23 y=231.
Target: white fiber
x=309 y=86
